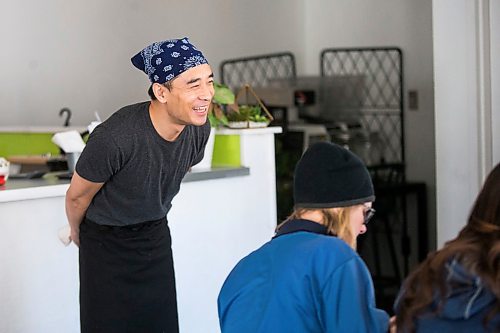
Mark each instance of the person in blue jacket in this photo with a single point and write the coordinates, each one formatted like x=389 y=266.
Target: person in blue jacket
x=457 y=289
x=309 y=278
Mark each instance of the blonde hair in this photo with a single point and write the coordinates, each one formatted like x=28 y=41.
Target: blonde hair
x=336 y=221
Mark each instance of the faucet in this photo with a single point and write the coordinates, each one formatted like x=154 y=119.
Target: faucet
x=68 y=115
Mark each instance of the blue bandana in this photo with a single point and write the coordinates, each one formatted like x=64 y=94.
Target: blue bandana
x=162 y=61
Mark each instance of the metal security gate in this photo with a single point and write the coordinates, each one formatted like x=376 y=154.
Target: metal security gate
x=257 y=70
x=381 y=99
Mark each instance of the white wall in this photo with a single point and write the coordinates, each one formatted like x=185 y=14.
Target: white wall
x=58 y=53
x=495 y=78
x=403 y=23
x=467 y=141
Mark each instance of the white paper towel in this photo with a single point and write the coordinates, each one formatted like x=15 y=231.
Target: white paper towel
x=70 y=141
x=92 y=126
x=64 y=235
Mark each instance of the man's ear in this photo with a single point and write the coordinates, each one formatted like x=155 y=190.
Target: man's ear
x=160 y=92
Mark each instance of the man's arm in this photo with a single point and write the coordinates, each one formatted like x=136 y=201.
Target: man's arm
x=78 y=198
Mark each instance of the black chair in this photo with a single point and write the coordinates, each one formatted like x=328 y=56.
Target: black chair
x=387 y=233
x=388 y=205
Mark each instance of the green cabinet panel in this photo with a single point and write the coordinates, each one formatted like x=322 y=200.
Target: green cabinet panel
x=13 y=143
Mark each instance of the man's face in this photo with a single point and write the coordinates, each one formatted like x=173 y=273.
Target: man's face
x=189 y=99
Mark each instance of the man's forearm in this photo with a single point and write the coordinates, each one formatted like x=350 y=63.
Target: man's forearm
x=75 y=211
x=78 y=198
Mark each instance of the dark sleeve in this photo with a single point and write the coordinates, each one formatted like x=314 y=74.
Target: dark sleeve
x=201 y=142
x=100 y=158
x=349 y=301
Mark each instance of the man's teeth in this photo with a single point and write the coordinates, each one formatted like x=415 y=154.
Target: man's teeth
x=200 y=109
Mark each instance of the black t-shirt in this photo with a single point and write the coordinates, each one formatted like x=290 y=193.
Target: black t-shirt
x=142 y=171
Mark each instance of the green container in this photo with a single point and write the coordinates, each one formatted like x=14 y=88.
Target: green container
x=13 y=143
x=226 y=151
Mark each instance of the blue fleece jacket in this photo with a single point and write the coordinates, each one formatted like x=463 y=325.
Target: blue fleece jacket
x=468 y=302
x=301 y=281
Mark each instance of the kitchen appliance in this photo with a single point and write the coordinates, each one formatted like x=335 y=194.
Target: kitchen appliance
x=311 y=133
x=315 y=99
x=326 y=108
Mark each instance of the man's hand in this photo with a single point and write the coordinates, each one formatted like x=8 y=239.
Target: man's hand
x=392 y=325
x=78 y=198
x=75 y=236
x=64 y=235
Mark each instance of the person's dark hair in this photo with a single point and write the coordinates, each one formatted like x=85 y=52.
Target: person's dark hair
x=167 y=85
x=477 y=248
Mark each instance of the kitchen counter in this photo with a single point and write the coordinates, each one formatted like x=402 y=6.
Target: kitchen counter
x=218 y=217
x=51 y=186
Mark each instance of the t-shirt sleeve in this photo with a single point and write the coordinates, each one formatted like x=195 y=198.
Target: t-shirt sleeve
x=349 y=301
x=100 y=158
x=201 y=142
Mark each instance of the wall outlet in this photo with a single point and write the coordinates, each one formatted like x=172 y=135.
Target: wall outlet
x=413 y=100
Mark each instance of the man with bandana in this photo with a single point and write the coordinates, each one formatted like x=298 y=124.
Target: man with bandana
x=122 y=188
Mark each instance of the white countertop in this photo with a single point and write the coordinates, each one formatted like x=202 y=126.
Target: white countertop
x=50 y=186
x=249 y=131
x=26 y=189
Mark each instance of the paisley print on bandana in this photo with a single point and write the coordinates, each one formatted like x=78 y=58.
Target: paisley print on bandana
x=174 y=55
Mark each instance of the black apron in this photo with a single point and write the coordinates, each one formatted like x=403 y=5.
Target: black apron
x=127 y=279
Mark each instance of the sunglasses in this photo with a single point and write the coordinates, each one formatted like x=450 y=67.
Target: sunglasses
x=368 y=215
